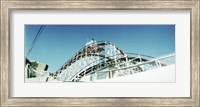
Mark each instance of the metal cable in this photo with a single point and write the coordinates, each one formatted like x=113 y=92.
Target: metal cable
x=35 y=39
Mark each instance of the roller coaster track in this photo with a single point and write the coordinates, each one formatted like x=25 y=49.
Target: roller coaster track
x=100 y=60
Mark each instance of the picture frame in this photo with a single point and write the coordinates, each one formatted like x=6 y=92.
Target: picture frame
x=8 y=6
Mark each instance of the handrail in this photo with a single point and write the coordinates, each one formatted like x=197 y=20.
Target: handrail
x=160 y=58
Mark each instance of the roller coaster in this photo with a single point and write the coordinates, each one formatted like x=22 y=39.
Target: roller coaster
x=104 y=60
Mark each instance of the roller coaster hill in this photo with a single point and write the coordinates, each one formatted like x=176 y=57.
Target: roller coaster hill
x=104 y=61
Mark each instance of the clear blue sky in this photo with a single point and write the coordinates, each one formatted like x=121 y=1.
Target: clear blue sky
x=58 y=43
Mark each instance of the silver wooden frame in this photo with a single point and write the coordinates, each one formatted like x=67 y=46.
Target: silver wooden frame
x=8 y=5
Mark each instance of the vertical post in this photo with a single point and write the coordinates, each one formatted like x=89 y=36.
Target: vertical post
x=158 y=64
x=140 y=57
x=110 y=74
x=126 y=56
x=95 y=76
x=86 y=48
x=84 y=77
x=81 y=53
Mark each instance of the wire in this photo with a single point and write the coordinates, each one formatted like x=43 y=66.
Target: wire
x=35 y=39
